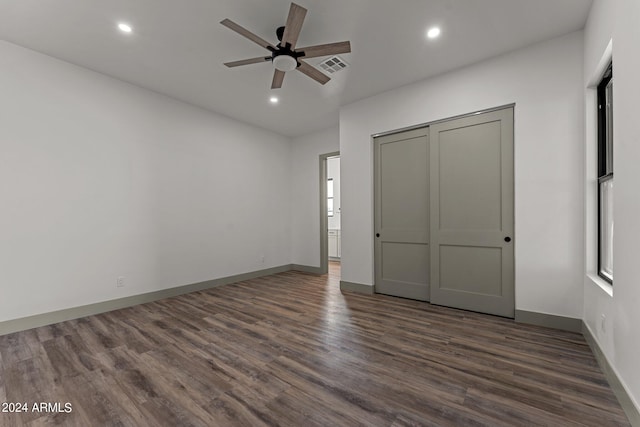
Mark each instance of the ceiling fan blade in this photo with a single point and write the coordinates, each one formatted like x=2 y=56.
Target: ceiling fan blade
x=325 y=49
x=248 y=61
x=246 y=33
x=313 y=72
x=278 y=77
x=294 y=25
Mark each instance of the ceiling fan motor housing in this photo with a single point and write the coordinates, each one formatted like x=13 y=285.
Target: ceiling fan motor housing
x=285 y=59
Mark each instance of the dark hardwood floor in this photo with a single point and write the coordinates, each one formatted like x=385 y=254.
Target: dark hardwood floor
x=292 y=350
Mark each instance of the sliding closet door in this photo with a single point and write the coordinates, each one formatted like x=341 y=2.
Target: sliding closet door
x=472 y=218
x=402 y=214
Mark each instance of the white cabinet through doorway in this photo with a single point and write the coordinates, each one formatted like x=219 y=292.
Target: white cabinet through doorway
x=334 y=243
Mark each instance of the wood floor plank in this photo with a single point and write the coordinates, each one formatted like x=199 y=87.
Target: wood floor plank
x=513 y=411
x=93 y=399
x=3 y=381
x=230 y=410
x=192 y=377
x=48 y=332
x=14 y=348
x=131 y=414
x=291 y=349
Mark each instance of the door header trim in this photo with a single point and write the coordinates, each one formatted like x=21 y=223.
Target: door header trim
x=427 y=124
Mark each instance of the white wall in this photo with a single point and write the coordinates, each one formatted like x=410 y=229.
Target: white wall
x=619 y=337
x=305 y=219
x=544 y=81
x=99 y=179
x=333 y=172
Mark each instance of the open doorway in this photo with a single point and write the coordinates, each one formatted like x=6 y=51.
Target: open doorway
x=330 y=214
x=333 y=211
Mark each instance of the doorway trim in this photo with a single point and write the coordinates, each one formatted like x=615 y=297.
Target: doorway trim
x=324 y=221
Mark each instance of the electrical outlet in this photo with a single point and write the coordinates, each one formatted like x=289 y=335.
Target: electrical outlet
x=603 y=323
x=120 y=282
x=262 y=259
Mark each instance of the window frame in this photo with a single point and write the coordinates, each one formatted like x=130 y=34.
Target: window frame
x=330 y=212
x=605 y=157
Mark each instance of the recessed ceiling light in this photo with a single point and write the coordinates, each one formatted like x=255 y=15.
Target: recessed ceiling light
x=273 y=100
x=125 y=28
x=433 y=32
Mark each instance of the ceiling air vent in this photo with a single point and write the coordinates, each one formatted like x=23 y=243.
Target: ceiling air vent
x=333 y=64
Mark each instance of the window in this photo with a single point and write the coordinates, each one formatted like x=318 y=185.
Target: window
x=330 y=196
x=605 y=176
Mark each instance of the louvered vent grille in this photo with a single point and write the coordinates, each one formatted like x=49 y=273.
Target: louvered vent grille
x=333 y=64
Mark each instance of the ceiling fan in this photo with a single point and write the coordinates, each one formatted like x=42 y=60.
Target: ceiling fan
x=285 y=56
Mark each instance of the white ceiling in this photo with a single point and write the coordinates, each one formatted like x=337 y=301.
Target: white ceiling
x=178 y=47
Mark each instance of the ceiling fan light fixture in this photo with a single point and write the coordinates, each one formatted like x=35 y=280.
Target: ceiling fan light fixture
x=285 y=63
